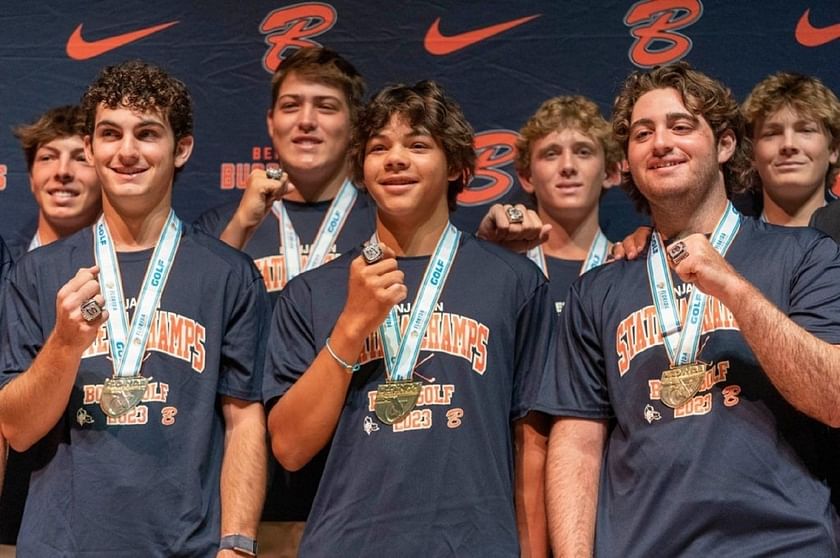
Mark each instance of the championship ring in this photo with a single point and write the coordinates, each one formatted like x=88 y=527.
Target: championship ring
x=394 y=400
x=514 y=215
x=677 y=252
x=680 y=383
x=274 y=174
x=372 y=253
x=120 y=395
x=90 y=310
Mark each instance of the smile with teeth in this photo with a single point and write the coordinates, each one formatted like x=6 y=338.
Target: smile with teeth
x=665 y=164
x=128 y=171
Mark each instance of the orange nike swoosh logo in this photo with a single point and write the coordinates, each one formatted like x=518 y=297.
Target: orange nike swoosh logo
x=80 y=49
x=436 y=43
x=811 y=36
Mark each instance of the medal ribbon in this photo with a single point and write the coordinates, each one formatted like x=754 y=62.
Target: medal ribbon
x=34 y=243
x=128 y=346
x=598 y=252
x=401 y=352
x=327 y=234
x=681 y=342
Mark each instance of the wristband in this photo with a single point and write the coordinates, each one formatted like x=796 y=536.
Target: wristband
x=239 y=543
x=349 y=367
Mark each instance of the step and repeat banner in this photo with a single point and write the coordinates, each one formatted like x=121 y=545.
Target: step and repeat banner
x=499 y=59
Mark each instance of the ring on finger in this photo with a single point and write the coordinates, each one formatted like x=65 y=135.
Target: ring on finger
x=90 y=310
x=274 y=173
x=372 y=253
x=678 y=252
x=514 y=215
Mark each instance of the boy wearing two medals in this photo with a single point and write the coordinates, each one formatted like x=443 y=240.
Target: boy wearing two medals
x=141 y=404
x=410 y=358
x=565 y=157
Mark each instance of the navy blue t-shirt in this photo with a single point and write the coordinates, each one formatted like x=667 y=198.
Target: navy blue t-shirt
x=736 y=471
x=561 y=274
x=146 y=483
x=264 y=245
x=439 y=483
x=289 y=496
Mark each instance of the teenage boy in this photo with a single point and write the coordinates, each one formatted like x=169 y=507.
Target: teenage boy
x=67 y=191
x=675 y=371
x=138 y=387
x=420 y=449
x=63 y=183
x=565 y=158
x=308 y=213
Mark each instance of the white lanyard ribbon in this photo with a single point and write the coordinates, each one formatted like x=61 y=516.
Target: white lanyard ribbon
x=401 y=352
x=35 y=242
x=327 y=234
x=682 y=342
x=128 y=346
x=598 y=252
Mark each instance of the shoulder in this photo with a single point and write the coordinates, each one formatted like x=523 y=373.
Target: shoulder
x=482 y=255
x=827 y=220
x=216 y=218
x=210 y=255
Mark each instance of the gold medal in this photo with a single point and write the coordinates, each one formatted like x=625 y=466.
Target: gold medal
x=120 y=395
x=679 y=384
x=394 y=400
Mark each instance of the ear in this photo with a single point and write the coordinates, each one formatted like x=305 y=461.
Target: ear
x=269 y=125
x=183 y=150
x=834 y=154
x=89 y=149
x=525 y=183
x=726 y=146
x=612 y=176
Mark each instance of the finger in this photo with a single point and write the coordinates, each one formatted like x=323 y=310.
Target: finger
x=617 y=251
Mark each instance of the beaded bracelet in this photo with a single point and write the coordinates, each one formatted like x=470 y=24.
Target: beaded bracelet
x=349 y=367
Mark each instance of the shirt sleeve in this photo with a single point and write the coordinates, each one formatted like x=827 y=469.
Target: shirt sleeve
x=21 y=331
x=535 y=338
x=815 y=290
x=574 y=381
x=244 y=340
x=291 y=341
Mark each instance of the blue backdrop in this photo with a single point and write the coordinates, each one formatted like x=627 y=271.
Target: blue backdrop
x=499 y=59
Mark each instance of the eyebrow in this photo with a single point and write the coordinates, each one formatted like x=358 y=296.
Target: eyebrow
x=316 y=97
x=147 y=122
x=669 y=117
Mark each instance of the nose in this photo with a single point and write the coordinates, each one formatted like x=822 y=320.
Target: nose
x=307 y=117
x=788 y=146
x=395 y=159
x=567 y=164
x=128 y=148
x=662 y=143
x=64 y=173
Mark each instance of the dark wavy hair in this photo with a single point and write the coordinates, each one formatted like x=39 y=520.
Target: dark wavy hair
x=143 y=87
x=703 y=97
x=425 y=107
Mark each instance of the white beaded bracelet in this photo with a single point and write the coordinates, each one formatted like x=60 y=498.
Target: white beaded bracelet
x=349 y=367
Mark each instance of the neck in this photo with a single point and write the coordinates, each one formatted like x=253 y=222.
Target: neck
x=792 y=213
x=571 y=236
x=47 y=232
x=309 y=188
x=684 y=217
x=134 y=233
x=409 y=240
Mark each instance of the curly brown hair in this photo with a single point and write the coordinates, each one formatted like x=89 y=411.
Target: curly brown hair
x=425 y=107
x=704 y=97
x=559 y=113
x=806 y=96
x=59 y=122
x=326 y=66
x=143 y=87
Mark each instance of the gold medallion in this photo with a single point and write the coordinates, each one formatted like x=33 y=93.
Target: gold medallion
x=679 y=384
x=394 y=400
x=120 y=395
